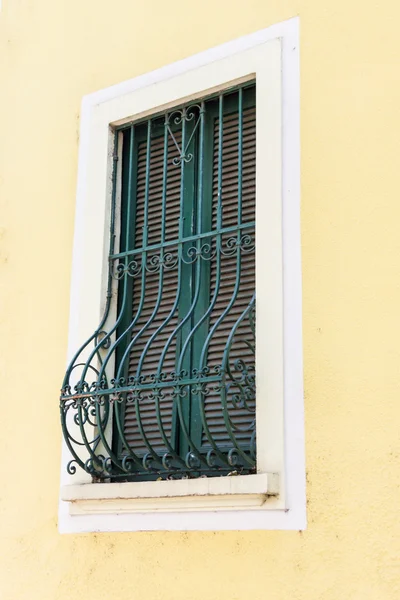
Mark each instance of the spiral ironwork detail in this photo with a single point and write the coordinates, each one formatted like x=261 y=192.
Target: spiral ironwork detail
x=187 y=114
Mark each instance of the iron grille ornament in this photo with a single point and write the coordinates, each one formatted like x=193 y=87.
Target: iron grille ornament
x=167 y=388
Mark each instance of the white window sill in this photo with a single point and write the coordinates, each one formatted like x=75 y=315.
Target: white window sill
x=218 y=493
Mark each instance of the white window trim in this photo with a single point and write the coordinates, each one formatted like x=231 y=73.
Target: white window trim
x=275 y=497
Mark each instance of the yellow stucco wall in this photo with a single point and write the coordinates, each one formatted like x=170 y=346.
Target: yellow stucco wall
x=52 y=52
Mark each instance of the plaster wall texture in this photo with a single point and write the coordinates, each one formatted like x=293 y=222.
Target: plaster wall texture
x=52 y=53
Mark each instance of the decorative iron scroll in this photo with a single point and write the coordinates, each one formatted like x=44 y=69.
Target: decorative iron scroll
x=187 y=114
x=87 y=407
x=98 y=389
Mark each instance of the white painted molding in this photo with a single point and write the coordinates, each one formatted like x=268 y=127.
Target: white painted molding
x=217 y=493
x=287 y=511
x=266 y=483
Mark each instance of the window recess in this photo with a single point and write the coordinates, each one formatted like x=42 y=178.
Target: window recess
x=165 y=387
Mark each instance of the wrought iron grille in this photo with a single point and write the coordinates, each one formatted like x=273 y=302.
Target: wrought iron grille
x=166 y=388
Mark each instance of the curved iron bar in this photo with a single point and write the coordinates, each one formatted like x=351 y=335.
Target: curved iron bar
x=73 y=402
x=66 y=381
x=127 y=351
x=158 y=396
x=102 y=379
x=98 y=345
x=112 y=348
x=205 y=316
x=253 y=448
x=109 y=450
x=151 y=451
x=148 y=323
x=204 y=352
x=225 y=362
x=80 y=421
x=160 y=376
x=194 y=450
x=66 y=387
x=177 y=395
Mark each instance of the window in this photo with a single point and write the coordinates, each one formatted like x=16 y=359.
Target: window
x=178 y=364
x=185 y=344
x=158 y=406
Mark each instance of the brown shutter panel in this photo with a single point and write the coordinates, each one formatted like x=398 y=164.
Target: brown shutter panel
x=151 y=291
x=242 y=418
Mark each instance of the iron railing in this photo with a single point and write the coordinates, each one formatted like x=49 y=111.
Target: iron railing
x=185 y=438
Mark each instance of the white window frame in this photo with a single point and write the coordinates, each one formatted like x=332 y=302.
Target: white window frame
x=274 y=498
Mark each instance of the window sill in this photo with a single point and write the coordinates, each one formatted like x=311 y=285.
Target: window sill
x=223 y=493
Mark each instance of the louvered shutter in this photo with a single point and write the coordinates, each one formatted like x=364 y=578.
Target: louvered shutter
x=154 y=293
x=242 y=418
x=157 y=296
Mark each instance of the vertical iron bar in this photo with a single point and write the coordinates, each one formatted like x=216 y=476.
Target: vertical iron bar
x=220 y=149
x=157 y=304
x=203 y=356
x=197 y=261
x=212 y=303
x=180 y=237
x=182 y=410
x=197 y=288
x=240 y=157
x=218 y=239
x=227 y=421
